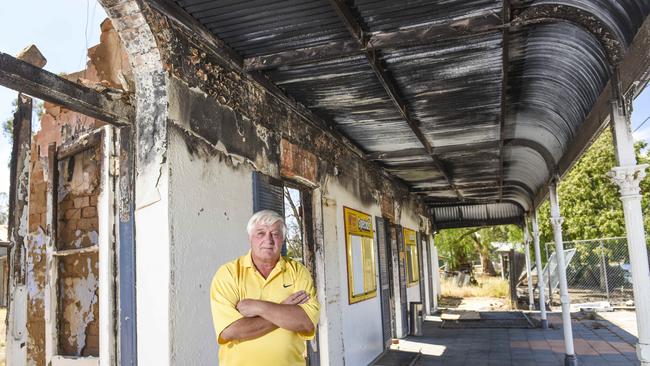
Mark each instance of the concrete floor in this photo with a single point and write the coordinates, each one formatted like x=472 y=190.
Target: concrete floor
x=598 y=342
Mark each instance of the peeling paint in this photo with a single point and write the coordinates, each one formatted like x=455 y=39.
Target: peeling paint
x=85 y=239
x=36 y=253
x=80 y=313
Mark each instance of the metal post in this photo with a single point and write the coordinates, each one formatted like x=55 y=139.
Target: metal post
x=436 y=274
x=503 y=270
x=550 y=284
x=540 y=274
x=627 y=176
x=603 y=264
x=531 y=295
x=556 y=221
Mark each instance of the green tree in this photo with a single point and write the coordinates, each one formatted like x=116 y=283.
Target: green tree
x=589 y=201
x=459 y=247
x=38 y=109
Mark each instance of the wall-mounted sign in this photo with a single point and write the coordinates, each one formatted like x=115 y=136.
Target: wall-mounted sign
x=360 y=250
x=411 y=248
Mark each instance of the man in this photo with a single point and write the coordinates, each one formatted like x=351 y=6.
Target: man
x=264 y=305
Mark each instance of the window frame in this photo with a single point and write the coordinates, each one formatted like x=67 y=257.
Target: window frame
x=103 y=140
x=368 y=255
x=412 y=257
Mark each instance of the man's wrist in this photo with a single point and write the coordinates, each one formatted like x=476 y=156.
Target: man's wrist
x=260 y=307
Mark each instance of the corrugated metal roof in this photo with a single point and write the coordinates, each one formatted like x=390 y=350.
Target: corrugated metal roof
x=558 y=62
x=448 y=217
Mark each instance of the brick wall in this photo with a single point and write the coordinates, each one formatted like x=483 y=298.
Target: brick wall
x=77 y=224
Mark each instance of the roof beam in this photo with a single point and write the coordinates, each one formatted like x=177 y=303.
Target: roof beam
x=109 y=105
x=459 y=186
x=380 y=155
x=435 y=203
x=413 y=36
x=356 y=30
x=505 y=58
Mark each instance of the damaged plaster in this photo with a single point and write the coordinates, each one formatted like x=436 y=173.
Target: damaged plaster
x=80 y=313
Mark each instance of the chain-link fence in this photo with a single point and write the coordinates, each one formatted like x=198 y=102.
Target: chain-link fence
x=598 y=270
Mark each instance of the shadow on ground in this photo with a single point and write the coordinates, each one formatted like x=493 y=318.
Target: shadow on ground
x=598 y=342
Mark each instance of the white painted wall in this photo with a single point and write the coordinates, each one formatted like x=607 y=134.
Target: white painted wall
x=426 y=267
x=328 y=284
x=361 y=322
x=152 y=266
x=210 y=204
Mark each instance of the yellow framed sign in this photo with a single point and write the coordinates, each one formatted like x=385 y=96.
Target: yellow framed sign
x=360 y=253
x=412 y=262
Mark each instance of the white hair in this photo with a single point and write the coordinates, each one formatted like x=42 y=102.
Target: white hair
x=265 y=217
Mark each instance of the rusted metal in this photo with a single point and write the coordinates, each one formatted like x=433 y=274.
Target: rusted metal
x=632 y=67
x=109 y=105
x=594 y=21
x=389 y=86
x=409 y=37
x=502 y=116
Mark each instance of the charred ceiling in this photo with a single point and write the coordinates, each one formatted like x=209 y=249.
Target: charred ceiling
x=471 y=103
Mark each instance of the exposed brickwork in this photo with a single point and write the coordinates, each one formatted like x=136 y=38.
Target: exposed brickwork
x=78 y=314
x=78 y=226
x=36 y=262
x=298 y=163
x=77 y=211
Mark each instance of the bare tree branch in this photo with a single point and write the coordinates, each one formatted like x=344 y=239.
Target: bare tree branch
x=295 y=211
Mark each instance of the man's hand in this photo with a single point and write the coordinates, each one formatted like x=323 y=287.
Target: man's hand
x=296 y=298
x=250 y=308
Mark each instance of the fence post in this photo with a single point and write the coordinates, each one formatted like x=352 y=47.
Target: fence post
x=531 y=296
x=550 y=286
x=540 y=273
x=603 y=264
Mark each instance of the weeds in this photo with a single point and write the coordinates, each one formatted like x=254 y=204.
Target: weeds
x=487 y=287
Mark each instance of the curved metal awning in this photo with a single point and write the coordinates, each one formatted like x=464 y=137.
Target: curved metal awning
x=475 y=104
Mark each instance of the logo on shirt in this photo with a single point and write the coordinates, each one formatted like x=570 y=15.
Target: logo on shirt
x=285 y=286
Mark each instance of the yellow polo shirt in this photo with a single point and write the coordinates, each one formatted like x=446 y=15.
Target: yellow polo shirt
x=238 y=280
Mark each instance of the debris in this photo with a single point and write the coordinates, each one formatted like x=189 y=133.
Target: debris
x=32 y=55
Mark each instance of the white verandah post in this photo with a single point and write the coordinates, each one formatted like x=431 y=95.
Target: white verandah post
x=627 y=176
x=540 y=272
x=556 y=221
x=531 y=296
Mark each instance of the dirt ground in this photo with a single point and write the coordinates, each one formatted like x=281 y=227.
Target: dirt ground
x=475 y=303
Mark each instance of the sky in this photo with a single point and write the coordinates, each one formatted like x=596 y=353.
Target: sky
x=64 y=29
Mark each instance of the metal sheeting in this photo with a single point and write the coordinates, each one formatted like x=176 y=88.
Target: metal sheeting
x=260 y=27
x=557 y=67
x=382 y=15
x=476 y=215
x=557 y=72
x=451 y=86
x=623 y=17
x=347 y=92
